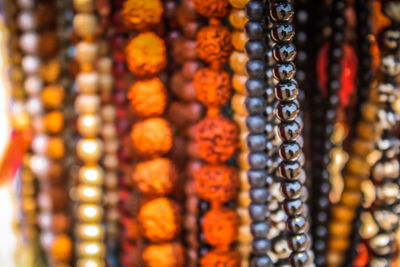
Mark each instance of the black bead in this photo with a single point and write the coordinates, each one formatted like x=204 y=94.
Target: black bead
x=287 y=90
x=284 y=52
x=293 y=207
x=299 y=242
x=281 y=11
x=255 y=87
x=260 y=247
x=287 y=110
x=255 y=124
x=256 y=68
x=257 y=178
x=257 y=212
x=255 y=30
x=255 y=10
x=257 y=160
x=255 y=49
x=284 y=71
x=262 y=261
x=289 y=131
x=256 y=142
x=254 y=105
x=259 y=195
x=299 y=259
x=292 y=189
x=282 y=32
x=259 y=229
x=297 y=224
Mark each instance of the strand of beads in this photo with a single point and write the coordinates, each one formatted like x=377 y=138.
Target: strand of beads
x=48 y=145
x=377 y=115
x=88 y=228
x=216 y=138
x=190 y=112
x=152 y=136
x=237 y=62
x=290 y=169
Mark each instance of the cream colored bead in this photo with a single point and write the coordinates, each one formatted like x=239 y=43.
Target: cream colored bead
x=88 y=125
x=85 y=24
x=89 y=213
x=90 y=263
x=104 y=65
x=86 y=193
x=90 y=249
x=85 y=6
x=110 y=161
x=89 y=150
x=91 y=175
x=86 y=52
x=87 y=82
x=90 y=232
x=29 y=42
x=111 y=180
x=108 y=131
x=111 y=146
x=85 y=104
x=108 y=113
x=106 y=82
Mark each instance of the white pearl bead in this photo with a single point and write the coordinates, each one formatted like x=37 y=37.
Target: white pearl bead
x=25 y=4
x=34 y=106
x=45 y=220
x=33 y=85
x=31 y=64
x=26 y=21
x=46 y=239
x=111 y=180
x=87 y=83
x=39 y=165
x=111 y=146
x=29 y=42
x=106 y=82
x=110 y=161
x=39 y=144
x=85 y=104
x=88 y=125
x=104 y=65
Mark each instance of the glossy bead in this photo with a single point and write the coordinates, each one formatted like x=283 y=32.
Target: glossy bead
x=259 y=195
x=299 y=259
x=282 y=32
x=255 y=10
x=284 y=71
x=259 y=229
x=292 y=189
x=255 y=69
x=290 y=170
x=255 y=87
x=282 y=11
x=255 y=124
x=263 y=261
x=257 y=178
x=257 y=160
x=297 y=224
x=255 y=49
x=293 y=207
x=284 y=52
x=289 y=131
x=299 y=242
x=257 y=212
x=260 y=246
x=254 y=30
x=287 y=111
x=256 y=142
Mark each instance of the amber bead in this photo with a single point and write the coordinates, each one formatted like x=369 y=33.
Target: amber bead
x=238 y=62
x=55 y=148
x=148 y=97
x=239 y=83
x=238 y=3
x=61 y=248
x=50 y=71
x=146 y=54
x=53 y=96
x=152 y=137
x=49 y=44
x=212 y=8
x=239 y=39
x=215 y=258
x=214 y=44
x=238 y=18
x=54 y=122
x=160 y=220
x=216 y=183
x=213 y=87
x=164 y=255
x=220 y=227
x=216 y=139
x=155 y=177
x=141 y=14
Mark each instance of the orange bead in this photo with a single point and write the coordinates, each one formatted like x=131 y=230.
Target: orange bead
x=239 y=39
x=146 y=54
x=213 y=87
x=220 y=258
x=212 y=8
x=56 y=149
x=238 y=62
x=216 y=183
x=148 y=97
x=61 y=248
x=214 y=45
x=160 y=220
x=238 y=18
x=152 y=137
x=238 y=3
x=53 y=96
x=164 y=255
x=141 y=14
x=216 y=139
x=155 y=177
x=54 y=122
x=220 y=227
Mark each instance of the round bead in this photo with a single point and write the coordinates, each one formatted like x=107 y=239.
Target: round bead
x=292 y=189
x=263 y=261
x=238 y=3
x=282 y=11
x=259 y=229
x=297 y=224
x=260 y=247
x=141 y=14
x=212 y=8
x=289 y=131
x=254 y=30
x=164 y=255
x=286 y=91
x=299 y=242
x=255 y=87
x=230 y=258
x=293 y=207
x=284 y=52
x=282 y=32
x=255 y=69
x=89 y=150
x=284 y=71
x=257 y=212
x=287 y=111
x=85 y=24
x=255 y=10
x=259 y=195
x=255 y=49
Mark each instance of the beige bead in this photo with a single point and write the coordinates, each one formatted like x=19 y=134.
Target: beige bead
x=238 y=104
x=85 y=24
x=90 y=249
x=85 y=104
x=104 y=65
x=108 y=131
x=87 y=82
x=110 y=161
x=91 y=175
x=89 y=213
x=244 y=199
x=111 y=180
x=111 y=146
x=89 y=150
x=106 y=82
x=86 y=52
x=88 y=125
x=108 y=113
x=85 y=6
x=244 y=215
x=245 y=234
x=90 y=263
x=91 y=194
x=89 y=232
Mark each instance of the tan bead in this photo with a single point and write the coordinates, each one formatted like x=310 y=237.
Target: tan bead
x=334 y=259
x=91 y=175
x=85 y=24
x=338 y=244
x=85 y=6
x=343 y=213
x=368 y=226
x=238 y=62
x=86 y=52
x=87 y=83
x=369 y=131
x=238 y=18
x=245 y=234
x=238 y=104
x=242 y=160
x=96 y=262
x=88 y=125
x=370 y=112
x=239 y=39
x=352 y=182
x=244 y=216
x=244 y=182
x=89 y=231
x=89 y=150
x=90 y=249
x=396 y=106
x=106 y=82
x=338 y=228
x=362 y=147
x=89 y=213
x=92 y=194
x=85 y=104
x=357 y=165
x=351 y=198
x=243 y=142
x=244 y=199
